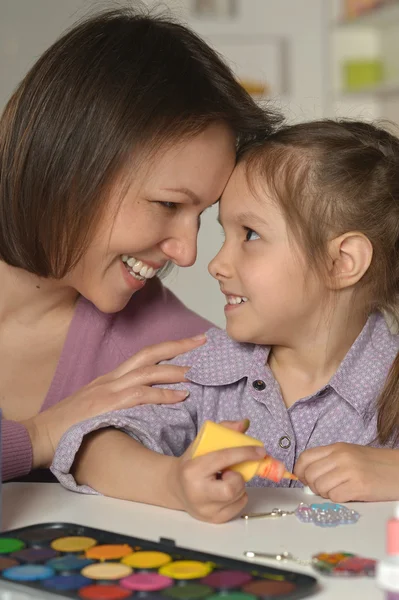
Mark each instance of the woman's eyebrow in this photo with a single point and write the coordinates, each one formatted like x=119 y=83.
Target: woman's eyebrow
x=187 y=192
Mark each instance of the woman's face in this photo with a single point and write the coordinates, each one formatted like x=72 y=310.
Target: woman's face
x=157 y=220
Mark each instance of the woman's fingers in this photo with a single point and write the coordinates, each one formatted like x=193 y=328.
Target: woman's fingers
x=158 y=352
x=152 y=375
x=137 y=395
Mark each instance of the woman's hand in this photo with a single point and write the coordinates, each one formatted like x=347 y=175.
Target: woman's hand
x=344 y=472
x=206 y=488
x=126 y=386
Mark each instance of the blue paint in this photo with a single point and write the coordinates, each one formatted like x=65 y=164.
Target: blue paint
x=69 y=562
x=28 y=573
x=67 y=582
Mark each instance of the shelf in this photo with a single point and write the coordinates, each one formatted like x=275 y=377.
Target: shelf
x=383 y=89
x=380 y=18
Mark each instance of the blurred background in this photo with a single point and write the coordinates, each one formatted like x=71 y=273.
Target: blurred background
x=308 y=58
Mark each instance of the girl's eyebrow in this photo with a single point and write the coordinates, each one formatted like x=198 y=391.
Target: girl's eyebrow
x=245 y=218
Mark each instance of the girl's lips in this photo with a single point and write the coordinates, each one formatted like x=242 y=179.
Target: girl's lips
x=229 y=307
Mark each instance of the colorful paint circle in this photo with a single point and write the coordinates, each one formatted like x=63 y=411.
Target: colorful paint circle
x=186 y=569
x=106 y=570
x=69 y=562
x=267 y=587
x=226 y=580
x=8 y=545
x=232 y=596
x=34 y=555
x=6 y=563
x=39 y=535
x=190 y=591
x=109 y=551
x=66 y=582
x=28 y=573
x=151 y=559
x=146 y=582
x=74 y=543
x=106 y=591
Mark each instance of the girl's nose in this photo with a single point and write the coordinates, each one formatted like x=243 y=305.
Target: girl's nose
x=219 y=266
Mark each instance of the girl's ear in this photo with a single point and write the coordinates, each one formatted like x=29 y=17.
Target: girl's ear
x=350 y=256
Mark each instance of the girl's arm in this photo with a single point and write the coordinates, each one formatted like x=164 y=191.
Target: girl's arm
x=118 y=466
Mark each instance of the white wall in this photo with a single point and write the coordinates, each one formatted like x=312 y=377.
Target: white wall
x=27 y=27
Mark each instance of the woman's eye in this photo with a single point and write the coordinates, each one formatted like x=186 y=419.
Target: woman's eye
x=251 y=235
x=168 y=205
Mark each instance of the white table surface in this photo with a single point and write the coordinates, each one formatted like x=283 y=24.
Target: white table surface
x=28 y=503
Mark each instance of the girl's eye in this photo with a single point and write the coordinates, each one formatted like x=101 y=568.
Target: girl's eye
x=251 y=235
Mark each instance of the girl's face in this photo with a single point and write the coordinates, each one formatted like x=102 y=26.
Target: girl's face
x=272 y=297
x=157 y=220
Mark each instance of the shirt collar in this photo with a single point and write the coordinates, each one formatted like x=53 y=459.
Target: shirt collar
x=358 y=380
x=362 y=374
x=222 y=361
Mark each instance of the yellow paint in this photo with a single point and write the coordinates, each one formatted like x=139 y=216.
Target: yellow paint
x=147 y=559
x=186 y=569
x=106 y=570
x=73 y=544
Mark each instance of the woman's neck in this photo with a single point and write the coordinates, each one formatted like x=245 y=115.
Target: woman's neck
x=307 y=366
x=28 y=298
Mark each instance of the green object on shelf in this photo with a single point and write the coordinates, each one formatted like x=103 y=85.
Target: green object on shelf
x=362 y=74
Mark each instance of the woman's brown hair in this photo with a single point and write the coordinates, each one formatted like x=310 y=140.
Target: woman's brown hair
x=117 y=84
x=332 y=177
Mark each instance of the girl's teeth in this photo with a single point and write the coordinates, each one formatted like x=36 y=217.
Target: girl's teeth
x=143 y=271
x=236 y=299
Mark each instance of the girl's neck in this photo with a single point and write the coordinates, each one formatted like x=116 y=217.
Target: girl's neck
x=28 y=298
x=308 y=365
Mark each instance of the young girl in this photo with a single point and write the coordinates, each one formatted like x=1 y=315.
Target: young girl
x=310 y=261
x=112 y=146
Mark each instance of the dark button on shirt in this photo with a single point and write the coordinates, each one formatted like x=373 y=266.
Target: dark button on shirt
x=259 y=385
x=284 y=442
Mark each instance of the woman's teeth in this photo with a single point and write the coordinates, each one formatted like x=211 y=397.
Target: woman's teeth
x=236 y=299
x=137 y=268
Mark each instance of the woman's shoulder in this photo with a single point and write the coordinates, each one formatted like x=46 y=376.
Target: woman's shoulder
x=153 y=315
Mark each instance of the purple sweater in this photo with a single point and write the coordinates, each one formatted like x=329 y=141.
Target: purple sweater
x=96 y=344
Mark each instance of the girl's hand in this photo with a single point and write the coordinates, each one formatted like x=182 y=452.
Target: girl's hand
x=206 y=488
x=126 y=386
x=344 y=472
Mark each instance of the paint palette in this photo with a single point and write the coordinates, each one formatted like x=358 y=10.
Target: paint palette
x=74 y=561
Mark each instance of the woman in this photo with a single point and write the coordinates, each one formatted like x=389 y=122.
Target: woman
x=118 y=138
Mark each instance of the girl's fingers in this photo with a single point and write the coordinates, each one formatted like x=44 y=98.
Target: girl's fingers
x=309 y=457
x=158 y=352
x=229 y=512
x=326 y=483
x=214 y=462
x=316 y=470
x=240 y=426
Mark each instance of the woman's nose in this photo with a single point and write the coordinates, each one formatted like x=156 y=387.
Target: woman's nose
x=181 y=250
